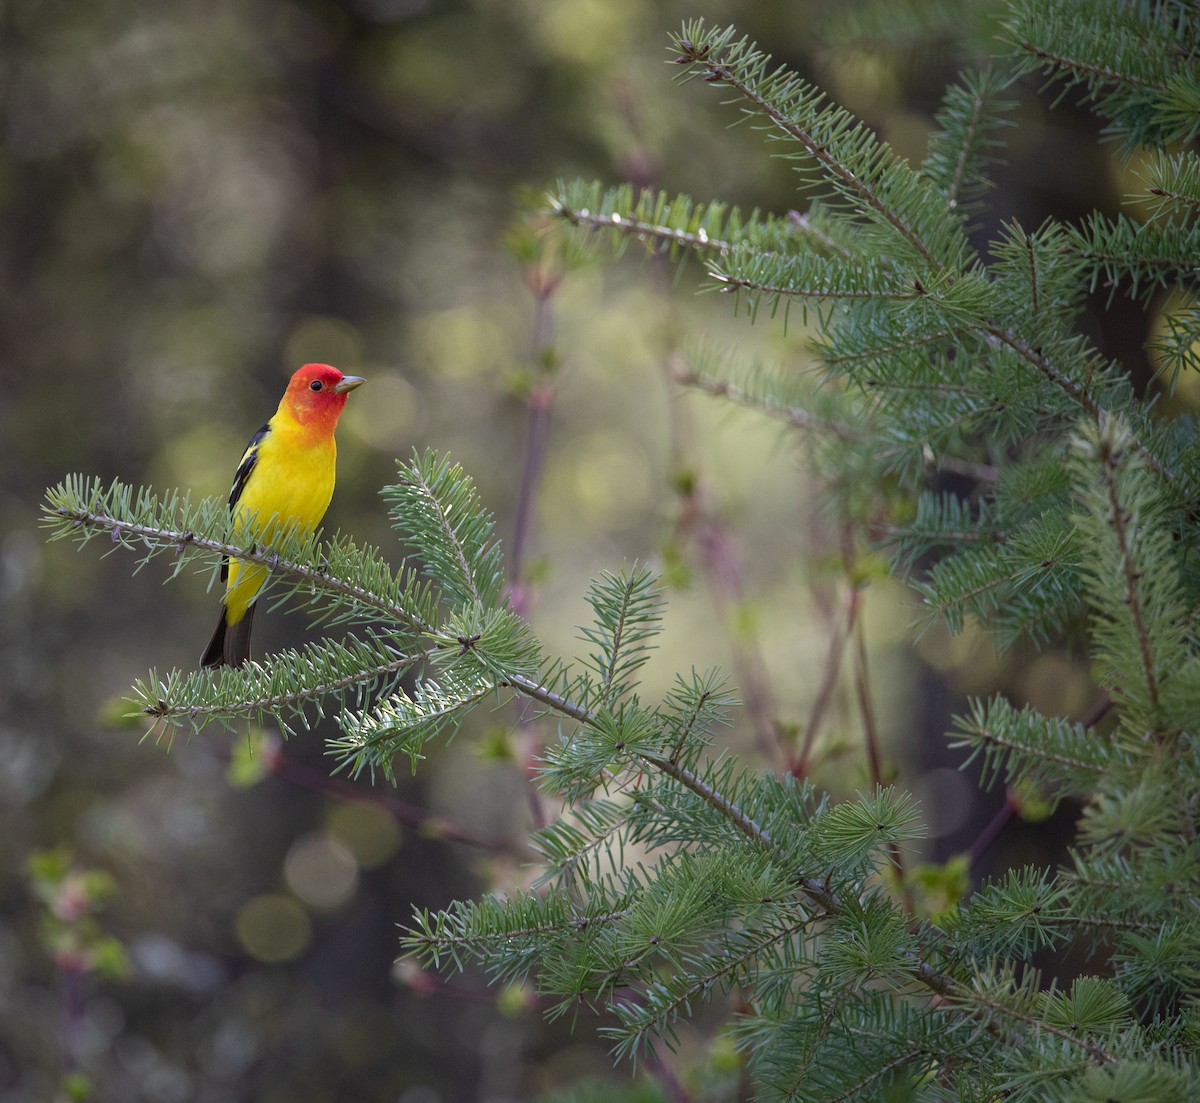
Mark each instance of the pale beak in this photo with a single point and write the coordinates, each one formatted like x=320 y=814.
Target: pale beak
x=348 y=383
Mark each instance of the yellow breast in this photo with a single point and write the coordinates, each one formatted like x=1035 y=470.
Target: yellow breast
x=292 y=482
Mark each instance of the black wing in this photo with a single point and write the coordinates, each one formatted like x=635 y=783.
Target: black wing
x=249 y=461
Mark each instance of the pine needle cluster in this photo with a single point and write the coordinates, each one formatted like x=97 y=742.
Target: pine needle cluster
x=676 y=877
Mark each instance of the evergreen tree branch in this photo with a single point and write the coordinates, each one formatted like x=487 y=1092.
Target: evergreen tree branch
x=971 y=112
x=474 y=930
x=829 y=136
x=1023 y=744
x=1178 y=348
x=434 y=504
x=799 y=417
x=724 y=807
x=1174 y=182
x=1132 y=60
x=1001 y=1009
x=80 y=509
x=557 y=702
x=1140 y=616
x=815 y=278
x=665 y=1000
x=287 y=684
x=893 y=350
x=811 y=229
x=666 y=235
x=1090 y=71
x=628 y=609
x=1120 y=518
x=672 y=224
x=1077 y=391
x=573 y=850
x=819 y=892
x=1148 y=256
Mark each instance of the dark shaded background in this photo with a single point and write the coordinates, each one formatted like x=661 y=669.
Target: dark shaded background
x=196 y=199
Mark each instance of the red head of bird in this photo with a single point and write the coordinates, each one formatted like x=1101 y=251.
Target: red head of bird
x=316 y=395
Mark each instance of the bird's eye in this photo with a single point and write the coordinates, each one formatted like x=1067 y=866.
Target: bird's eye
x=316 y=385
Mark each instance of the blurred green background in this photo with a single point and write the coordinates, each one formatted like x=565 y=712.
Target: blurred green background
x=198 y=197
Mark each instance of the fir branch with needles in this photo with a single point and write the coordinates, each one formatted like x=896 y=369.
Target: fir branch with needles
x=1079 y=520
x=959 y=417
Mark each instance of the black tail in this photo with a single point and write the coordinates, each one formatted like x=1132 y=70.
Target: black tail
x=230 y=644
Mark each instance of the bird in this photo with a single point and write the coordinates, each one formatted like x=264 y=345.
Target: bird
x=285 y=480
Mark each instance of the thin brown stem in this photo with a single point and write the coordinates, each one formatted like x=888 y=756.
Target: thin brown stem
x=542 y=283
x=408 y=815
x=720 y=559
x=992 y=830
x=862 y=687
x=829 y=680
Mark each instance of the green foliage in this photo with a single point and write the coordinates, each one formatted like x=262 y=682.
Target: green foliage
x=1126 y=57
x=72 y=899
x=676 y=879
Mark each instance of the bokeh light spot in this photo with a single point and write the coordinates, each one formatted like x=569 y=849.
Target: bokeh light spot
x=390 y=415
x=321 y=870
x=371 y=834
x=324 y=340
x=273 y=928
x=456 y=344
x=947 y=798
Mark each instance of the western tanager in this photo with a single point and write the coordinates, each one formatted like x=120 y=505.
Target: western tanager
x=285 y=479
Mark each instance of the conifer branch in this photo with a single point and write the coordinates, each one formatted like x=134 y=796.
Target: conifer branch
x=1085 y=68
x=1114 y=923
x=666 y=1000
x=819 y=892
x=810 y=227
x=1001 y=1009
x=730 y=811
x=552 y=700
x=465 y=938
x=895 y=348
x=697 y=240
x=798 y=417
x=1120 y=518
x=853 y=290
x=184 y=542
x=738 y=67
x=1077 y=391
x=1025 y=744
x=966 y=148
x=432 y=496
x=196 y=699
x=1174 y=182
